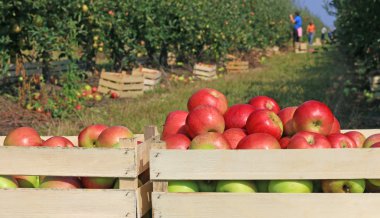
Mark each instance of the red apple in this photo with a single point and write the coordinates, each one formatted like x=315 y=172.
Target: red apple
x=264 y=121
x=111 y=136
x=264 y=102
x=376 y=145
x=8 y=182
x=209 y=140
x=177 y=141
x=307 y=140
x=357 y=137
x=284 y=142
x=286 y=116
x=57 y=141
x=339 y=140
x=114 y=95
x=88 y=136
x=335 y=126
x=259 y=141
x=204 y=119
x=60 y=182
x=234 y=136
x=94 y=89
x=313 y=116
x=371 y=140
x=98 y=182
x=23 y=136
x=207 y=96
x=237 y=115
x=175 y=123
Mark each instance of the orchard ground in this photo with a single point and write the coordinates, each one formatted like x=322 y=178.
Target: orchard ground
x=289 y=78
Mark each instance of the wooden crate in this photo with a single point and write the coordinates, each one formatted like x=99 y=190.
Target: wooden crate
x=151 y=77
x=121 y=83
x=237 y=66
x=10 y=76
x=301 y=47
x=127 y=163
x=274 y=164
x=205 y=71
x=374 y=82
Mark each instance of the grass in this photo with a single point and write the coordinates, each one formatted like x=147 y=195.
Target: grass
x=290 y=79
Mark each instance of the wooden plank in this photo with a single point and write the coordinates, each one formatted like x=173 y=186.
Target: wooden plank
x=121 y=86
x=78 y=203
x=131 y=94
x=264 y=164
x=204 y=74
x=97 y=162
x=205 y=67
x=151 y=82
x=265 y=205
x=121 y=78
x=144 y=198
x=122 y=94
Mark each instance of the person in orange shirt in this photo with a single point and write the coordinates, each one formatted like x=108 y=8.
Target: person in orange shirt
x=311 y=32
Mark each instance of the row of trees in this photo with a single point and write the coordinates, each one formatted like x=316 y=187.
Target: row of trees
x=200 y=30
x=358 y=31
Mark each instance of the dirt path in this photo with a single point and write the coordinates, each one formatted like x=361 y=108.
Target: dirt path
x=13 y=116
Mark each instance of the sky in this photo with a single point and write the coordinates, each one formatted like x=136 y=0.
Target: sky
x=316 y=7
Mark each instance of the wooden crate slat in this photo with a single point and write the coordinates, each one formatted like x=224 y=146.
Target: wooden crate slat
x=205 y=74
x=122 y=94
x=151 y=82
x=265 y=205
x=207 y=68
x=131 y=94
x=81 y=203
x=265 y=164
x=237 y=66
x=109 y=162
x=120 y=86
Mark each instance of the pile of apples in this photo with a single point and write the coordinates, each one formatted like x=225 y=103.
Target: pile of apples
x=261 y=124
x=94 y=136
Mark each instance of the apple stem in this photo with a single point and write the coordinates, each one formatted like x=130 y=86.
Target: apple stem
x=346 y=188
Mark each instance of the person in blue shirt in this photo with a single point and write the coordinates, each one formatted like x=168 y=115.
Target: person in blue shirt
x=297 y=27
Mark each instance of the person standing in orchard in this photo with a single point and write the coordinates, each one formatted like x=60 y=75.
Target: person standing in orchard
x=323 y=35
x=310 y=32
x=297 y=28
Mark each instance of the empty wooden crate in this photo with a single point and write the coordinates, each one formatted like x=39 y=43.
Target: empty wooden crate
x=128 y=163
x=121 y=83
x=151 y=77
x=256 y=164
x=237 y=67
x=375 y=85
x=205 y=71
